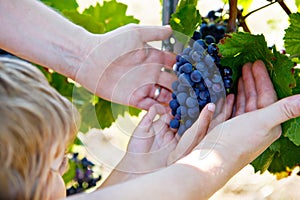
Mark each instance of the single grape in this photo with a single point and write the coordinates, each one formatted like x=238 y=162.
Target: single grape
x=175 y=85
x=174 y=123
x=216 y=78
x=191 y=102
x=196 y=76
x=173 y=104
x=181 y=129
x=181 y=97
x=228 y=82
x=193 y=112
x=188 y=123
x=210 y=39
x=186 y=68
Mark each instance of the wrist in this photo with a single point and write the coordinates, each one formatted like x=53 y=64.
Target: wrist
x=211 y=170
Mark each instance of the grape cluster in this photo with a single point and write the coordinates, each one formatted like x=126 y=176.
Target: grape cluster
x=199 y=82
x=84 y=178
x=212 y=29
x=201 y=77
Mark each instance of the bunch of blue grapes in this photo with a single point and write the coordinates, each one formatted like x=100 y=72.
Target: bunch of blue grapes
x=201 y=77
x=212 y=29
x=199 y=82
x=84 y=176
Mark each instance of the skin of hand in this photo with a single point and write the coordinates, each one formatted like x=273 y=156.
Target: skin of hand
x=122 y=67
x=238 y=141
x=119 y=65
x=154 y=145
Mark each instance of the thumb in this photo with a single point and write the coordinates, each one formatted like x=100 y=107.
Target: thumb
x=281 y=111
x=154 y=33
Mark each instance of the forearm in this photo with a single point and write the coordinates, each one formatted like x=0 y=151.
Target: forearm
x=32 y=31
x=189 y=179
x=175 y=182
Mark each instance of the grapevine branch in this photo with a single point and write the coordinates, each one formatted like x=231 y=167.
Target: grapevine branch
x=237 y=14
x=233 y=11
x=253 y=11
x=284 y=7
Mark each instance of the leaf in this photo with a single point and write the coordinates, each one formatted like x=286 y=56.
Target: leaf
x=61 y=5
x=61 y=84
x=281 y=75
x=296 y=89
x=111 y=14
x=287 y=156
x=185 y=20
x=292 y=36
x=277 y=164
x=86 y=21
x=292 y=130
x=239 y=48
x=262 y=162
x=71 y=173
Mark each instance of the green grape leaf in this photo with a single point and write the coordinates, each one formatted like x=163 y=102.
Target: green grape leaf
x=277 y=164
x=262 y=162
x=62 y=85
x=88 y=22
x=111 y=14
x=287 y=156
x=185 y=20
x=292 y=130
x=292 y=36
x=71 y=173
x=61 y=5
x=296 y=90
x=240 y=48
x=97 y=112
x=281 y=74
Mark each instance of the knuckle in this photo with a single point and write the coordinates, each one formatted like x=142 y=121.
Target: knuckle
x=289 y=109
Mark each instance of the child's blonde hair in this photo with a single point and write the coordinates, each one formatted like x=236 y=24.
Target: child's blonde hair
x=36 y=124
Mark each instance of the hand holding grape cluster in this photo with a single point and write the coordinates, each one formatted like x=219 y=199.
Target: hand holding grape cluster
x=201 y=77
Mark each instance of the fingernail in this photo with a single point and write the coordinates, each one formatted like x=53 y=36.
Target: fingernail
x=211 y=107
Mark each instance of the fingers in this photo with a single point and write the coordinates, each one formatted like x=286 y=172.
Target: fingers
x=225 y=114
x=255 y=88
x=194 y=134
x=249 y=88
x=147 y=121
x=154 y=33
x=240 y=99
x=265 y=90
x=280 y=111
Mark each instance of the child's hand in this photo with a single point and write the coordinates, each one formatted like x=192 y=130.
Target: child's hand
x=154 y=145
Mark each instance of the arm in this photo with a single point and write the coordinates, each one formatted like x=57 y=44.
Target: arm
x=225 y=150
x=119 y=65
x=32 y=31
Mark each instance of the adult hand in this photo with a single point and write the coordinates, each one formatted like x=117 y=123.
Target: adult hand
x=235 y=143
x=122 y=67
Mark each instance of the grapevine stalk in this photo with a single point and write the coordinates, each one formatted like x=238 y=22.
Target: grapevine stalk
x=233 y=11
x=284 y=7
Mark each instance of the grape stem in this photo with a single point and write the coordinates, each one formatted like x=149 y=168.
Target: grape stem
x=253 y=11
x=233 y=11
x=284 y=7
